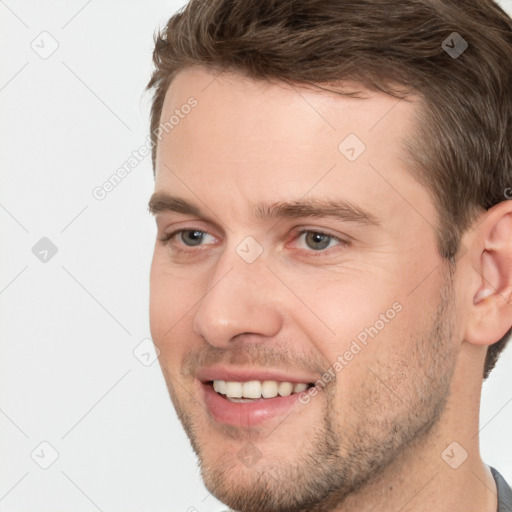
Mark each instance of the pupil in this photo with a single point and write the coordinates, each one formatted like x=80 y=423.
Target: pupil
x=318 y=240
x=194 y=239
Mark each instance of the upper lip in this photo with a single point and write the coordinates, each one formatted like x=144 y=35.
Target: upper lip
x=233 y=374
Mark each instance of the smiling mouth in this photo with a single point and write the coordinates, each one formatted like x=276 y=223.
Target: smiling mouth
x=250 y=391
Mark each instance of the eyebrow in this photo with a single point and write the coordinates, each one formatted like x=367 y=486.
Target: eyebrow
x=339 y=209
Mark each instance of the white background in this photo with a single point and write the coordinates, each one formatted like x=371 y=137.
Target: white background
x=69 y=326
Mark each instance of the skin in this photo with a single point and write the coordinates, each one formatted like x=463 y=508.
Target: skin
x=373 y=438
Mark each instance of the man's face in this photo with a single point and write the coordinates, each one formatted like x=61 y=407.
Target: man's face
x=357 y=301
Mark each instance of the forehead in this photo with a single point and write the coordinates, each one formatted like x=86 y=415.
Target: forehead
x=240 y=106
x=259 y=137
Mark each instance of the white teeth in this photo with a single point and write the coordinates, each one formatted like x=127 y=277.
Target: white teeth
x=244 y=391
x=234 y=389
x=285 y=388
x=251 y=389
x=269 y=389
x=240 y=400
x=221 y=386
x=298 y=388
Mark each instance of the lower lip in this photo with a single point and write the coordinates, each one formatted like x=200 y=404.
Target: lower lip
x=245 y=414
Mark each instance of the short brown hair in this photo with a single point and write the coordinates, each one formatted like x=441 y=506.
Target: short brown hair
x=462 y=148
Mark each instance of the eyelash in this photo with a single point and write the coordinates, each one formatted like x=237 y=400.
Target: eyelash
x=166 y=239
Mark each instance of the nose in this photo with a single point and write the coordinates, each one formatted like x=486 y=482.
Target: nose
x=238 y=300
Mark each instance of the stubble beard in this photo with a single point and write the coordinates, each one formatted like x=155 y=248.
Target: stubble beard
x=333 y=466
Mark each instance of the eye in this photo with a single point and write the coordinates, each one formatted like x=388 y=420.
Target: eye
x=188 y=237
x=318 y=241
x=311 y=242
x=191 y=237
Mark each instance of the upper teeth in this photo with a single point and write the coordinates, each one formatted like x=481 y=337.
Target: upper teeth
x=257 y=389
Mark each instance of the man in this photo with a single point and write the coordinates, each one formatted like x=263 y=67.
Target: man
x=332 y=278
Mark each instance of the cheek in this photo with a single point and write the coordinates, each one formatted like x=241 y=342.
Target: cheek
x=377 y=327
x=401 y=356
x=170 y=308
x=346 y=312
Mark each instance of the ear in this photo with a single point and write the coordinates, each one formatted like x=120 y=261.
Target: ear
x=491 y=260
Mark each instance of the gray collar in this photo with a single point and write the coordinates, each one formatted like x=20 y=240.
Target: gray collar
x=504 y=492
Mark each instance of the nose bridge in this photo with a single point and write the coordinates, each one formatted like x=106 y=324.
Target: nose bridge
x=237 y=299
